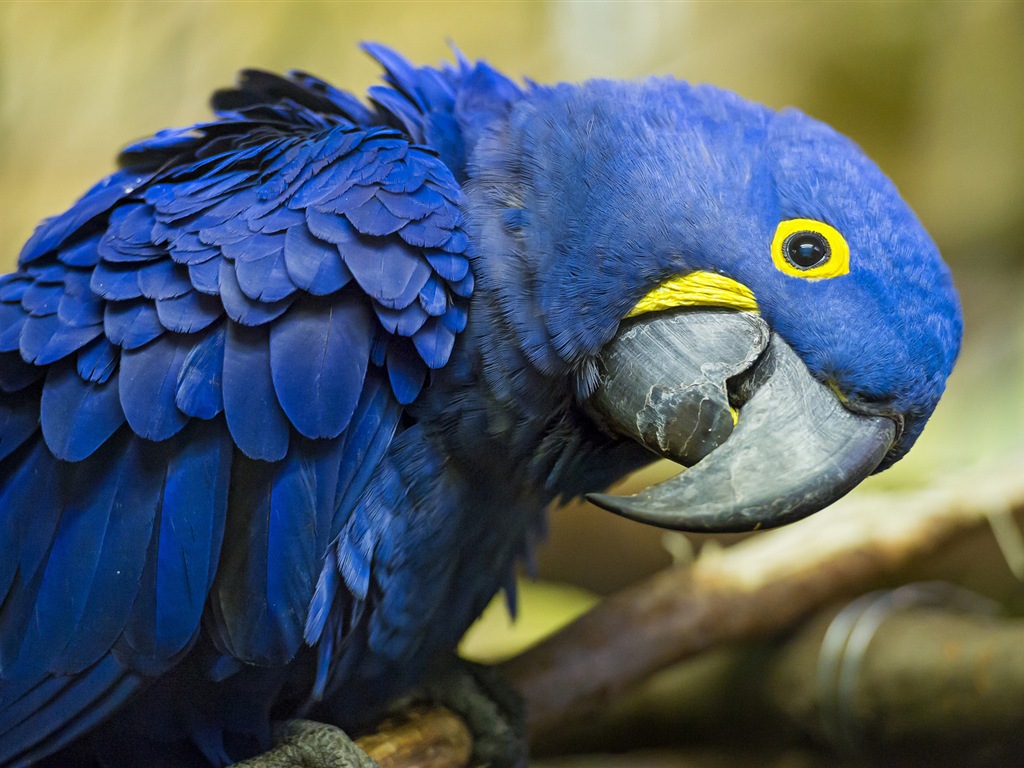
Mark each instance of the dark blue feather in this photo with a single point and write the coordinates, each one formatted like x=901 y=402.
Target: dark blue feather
x=277 y=221
x=390 y=273
x=214 y=228
x=255 y=248
x=444 y=213
x=95 y=558
x=347 y=104
x=19 y=419
x=455 y=318
x=334 y=144
x=320 y=608
x=332 y=181
x=97 y=360
x=116 y=282
x=265 y=279
x=52 y=233
x=434 y=342
x=109 y=590
x=257 y=423
x=187 y=537
x=433 y=297
x=401 y=322
x=186 y=247
x=205 y=276
x=45 y=340
x=13 y=286
x=148 y=382
x=78 y=416
x=457 y=243
x=117 y=251
x=350 y=199
x=46 y=271
x=463 y=287
x=406 y=371
x=240 y=307
x=265 y=560
x=369 y=434
x=41 y=299
x=12 y=320
x=174 y=202
x=313 y=264
x=225 y=222
x=403 y=178
x=81 y=254
x=16 y=374
x=426 y=233
x=331 y=228
x=398 y=72
x=319 y=352
x=411 y=207
x=199 y=391
x=131 y=224
x=374 y=218
x=188 y=313
x=27 y=524
x=400 y=108
x=241 y=620
x=47 y=715
x=80 y=310
x=302 y=497
x=163 y=279
x=130 y=324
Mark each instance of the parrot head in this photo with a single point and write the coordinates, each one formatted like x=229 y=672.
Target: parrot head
x=738 y=289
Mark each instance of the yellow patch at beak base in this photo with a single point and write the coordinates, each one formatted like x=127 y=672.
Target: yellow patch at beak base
x=697 y=289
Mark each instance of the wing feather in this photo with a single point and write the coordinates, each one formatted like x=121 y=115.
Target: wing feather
x=202 y=364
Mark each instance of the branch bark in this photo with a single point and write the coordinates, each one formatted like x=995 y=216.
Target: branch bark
x=752 y=589
x=426 y=737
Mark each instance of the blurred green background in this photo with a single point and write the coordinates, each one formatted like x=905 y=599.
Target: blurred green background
x=933 y=91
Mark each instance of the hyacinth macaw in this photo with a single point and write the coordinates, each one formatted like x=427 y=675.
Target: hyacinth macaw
x=285 y=397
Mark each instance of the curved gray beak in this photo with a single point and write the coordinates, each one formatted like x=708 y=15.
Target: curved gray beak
x=670 y=381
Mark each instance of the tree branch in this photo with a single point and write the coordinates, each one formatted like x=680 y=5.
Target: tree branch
x=752 y=589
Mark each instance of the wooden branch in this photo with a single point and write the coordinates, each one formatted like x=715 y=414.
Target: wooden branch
x=425 y=737
x=752 y=589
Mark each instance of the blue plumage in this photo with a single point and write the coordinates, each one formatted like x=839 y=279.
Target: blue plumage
x=78 y=416
x=282 y=401
x=319 y=353
x=199 y=390
x=148 y=386
x=96 y=361
x=19 y=418
x=253 y=414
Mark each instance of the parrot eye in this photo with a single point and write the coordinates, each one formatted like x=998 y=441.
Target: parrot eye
x=808 y=248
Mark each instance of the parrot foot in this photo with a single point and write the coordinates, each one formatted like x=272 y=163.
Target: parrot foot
x=308 y=744
x=491 y=708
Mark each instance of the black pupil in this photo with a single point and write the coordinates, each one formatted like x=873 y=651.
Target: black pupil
x=806 y=249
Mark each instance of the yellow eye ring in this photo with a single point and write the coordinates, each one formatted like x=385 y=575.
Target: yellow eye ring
x=810 y=249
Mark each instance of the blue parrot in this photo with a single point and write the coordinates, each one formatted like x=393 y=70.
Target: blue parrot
x=285 y=397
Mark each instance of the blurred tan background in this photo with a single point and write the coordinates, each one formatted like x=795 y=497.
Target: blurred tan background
x=934 y=92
